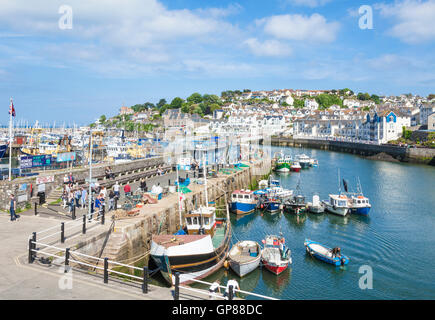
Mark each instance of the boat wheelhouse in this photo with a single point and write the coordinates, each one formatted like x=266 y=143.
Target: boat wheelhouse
x=359 y=204
x=243 y=201
x=303 y=160
x=337 y=204
x=275 y=256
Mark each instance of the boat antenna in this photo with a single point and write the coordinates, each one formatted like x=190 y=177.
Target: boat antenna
x=205 y=179
x=339 y=184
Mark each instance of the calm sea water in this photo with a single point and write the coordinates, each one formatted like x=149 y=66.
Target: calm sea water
x=397 y=239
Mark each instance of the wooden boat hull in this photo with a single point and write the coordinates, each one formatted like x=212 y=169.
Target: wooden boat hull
x=244 y=265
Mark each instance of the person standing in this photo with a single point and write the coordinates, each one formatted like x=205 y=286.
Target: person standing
x=235 y=285
x=13 y=207
x=77 y=196
x=84 y=197
x=214 y=289
x=116 y=189
x=127 y=189
x=111 y=200
x=71 y=201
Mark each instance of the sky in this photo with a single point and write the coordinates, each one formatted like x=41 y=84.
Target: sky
x=73 y=65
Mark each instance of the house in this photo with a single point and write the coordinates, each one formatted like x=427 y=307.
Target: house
x=425 y=111
x=431 y=122
x=311 y=104
x=351 y=103
x=125 y=110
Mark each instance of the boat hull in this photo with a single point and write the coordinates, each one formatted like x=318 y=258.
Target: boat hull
x=313 y=247
x=340 y=211
x=243 y=208
x=362 y=210
x=296 y=169
x=274 y=268
x=273 y=206
x=283 y=167
x=242 y=269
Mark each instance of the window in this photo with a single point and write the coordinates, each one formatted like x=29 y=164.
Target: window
x=195 y=220
x=247 y=196
x=189 y=220
x=206 y=221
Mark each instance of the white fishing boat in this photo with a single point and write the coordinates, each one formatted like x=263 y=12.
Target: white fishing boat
x=244 y=257
x=316 y=206
x=275 y=256
x=303 y=160
x=337 y=204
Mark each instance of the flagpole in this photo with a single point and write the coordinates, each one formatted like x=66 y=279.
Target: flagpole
x=178 y=194
x=10 y=142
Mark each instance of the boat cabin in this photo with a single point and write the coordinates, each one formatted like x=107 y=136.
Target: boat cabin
x=360 y=201
x=201 y=221
x=338 y=200
x=242 y=196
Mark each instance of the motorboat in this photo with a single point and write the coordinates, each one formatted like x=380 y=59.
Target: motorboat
x=315 y=206
x=275 y=256
x=323 y=253
x=243 y=201
x=244 y=257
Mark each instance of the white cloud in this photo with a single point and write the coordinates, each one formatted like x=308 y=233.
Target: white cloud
x=414 y=19
x=308 y=3
x=271 y=48
x=298 y=27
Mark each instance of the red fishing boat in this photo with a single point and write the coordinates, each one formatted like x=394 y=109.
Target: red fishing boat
x=275 y=256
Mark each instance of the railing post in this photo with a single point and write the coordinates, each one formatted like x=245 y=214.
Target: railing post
x=36 y=208
x=30 y=250
x=66 y=260
x=230 y=293
x=177 y=286
x=106 y=270
x=103 y=216
x=116 y=203
x=145 y=280
x=62 y=232
x=84 y=224
x=74 y=213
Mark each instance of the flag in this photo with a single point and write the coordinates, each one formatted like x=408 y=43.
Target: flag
x=345 y=185
x=12 y=109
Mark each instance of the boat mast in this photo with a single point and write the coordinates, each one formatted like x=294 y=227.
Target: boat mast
x=179 y=199
x=339 y=184
x=205 y=180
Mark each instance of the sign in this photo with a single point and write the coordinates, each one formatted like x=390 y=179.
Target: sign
x=41 y=187
x=22 y=198
x=66 y=156
x=22 y=187
x=46 y=179
x=35 y=161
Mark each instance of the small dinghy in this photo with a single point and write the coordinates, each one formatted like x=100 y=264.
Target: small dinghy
x=328 y=255
x=244 y=257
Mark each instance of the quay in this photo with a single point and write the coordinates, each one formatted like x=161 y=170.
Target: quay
x=403 y=154
x=101 y=248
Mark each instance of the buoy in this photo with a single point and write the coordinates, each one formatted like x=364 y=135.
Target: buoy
x=226 y=264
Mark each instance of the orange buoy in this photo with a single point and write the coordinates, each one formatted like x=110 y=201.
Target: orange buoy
x=226 y=264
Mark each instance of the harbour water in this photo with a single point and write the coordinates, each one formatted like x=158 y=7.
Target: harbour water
x=396 y=239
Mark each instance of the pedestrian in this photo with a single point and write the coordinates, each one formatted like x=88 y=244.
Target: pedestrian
x=107 y=172
x=91 y=214
x=143 y=185
x=13 y=207
x=71 y=201
x=64 y=198
x=214 y=289
x=77 y=196
x=235 y=285
x=99 y=204
x=159 y=171
x=71 y=179
x=111 y=200
x=116 y=189
x=84 y=197
x=65 y=179
x=127 y=189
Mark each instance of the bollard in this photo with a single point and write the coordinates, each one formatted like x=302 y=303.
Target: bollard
x=230 y=293
x=116 y=203
x=66 y=260
x=145 y=280
x=103 y=216
x=30 y=250
x=169 y=182
x=84 y=224
x=74 y=213
x=177 y=286
x=36 y=208
x=62 y=232
x=106 y=270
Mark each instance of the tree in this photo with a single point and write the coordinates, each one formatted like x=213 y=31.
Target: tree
x=194 y=98
x=326 y=100
x=161 y=103
x=375 y=98
x=176 y=103
x=363 y=96
x=298 y=103
x=431 y=96
x=102 y=119
x=149 y=105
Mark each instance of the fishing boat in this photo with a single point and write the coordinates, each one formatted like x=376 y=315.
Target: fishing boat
x=337 y=204
x=296 y=167
x=358 y=203
x=283 y=163
x=275 y=256
x=244 y=257
x=323 y=253
x=243 y=201
x=3 y=148
x=303 y=160
x=198 y=253
x=296 y=204
x=315 y=206
x=314 y=163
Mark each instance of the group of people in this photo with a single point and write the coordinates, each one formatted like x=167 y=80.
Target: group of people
x=109 y=173
x=215 y=289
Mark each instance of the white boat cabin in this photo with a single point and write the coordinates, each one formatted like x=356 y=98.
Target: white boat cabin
x=339 y=201
x=201 y=221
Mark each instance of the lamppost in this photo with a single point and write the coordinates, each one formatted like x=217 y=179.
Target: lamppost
x=90 y=175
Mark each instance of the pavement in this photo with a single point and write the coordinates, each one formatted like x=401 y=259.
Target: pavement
x=37 y=281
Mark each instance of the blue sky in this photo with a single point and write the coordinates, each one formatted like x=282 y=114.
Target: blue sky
x=132 y=51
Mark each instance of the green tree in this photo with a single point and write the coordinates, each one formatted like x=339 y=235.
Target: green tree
x=161 y=103
x=194 y=98
x=363 y=96
x=375 y=98
x=298 y=103
x=102 y=119
x=327 y=100
x=176 y=103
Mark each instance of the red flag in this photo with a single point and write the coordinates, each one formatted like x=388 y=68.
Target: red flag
x=12 y=109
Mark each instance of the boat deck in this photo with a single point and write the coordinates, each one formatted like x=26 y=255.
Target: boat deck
x=169 y=240
x=219 y=235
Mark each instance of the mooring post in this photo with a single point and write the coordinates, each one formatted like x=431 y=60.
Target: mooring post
x=230 y=293
x=116 y=202
x=36 y=208
x=177 y=286
x=66 y=260
x=106 y=270
x=62 y=232
x=84 y=224
x=169 y=182
x=103 y=215
x=145 y=280
x=30 y=250
x=74 y=213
